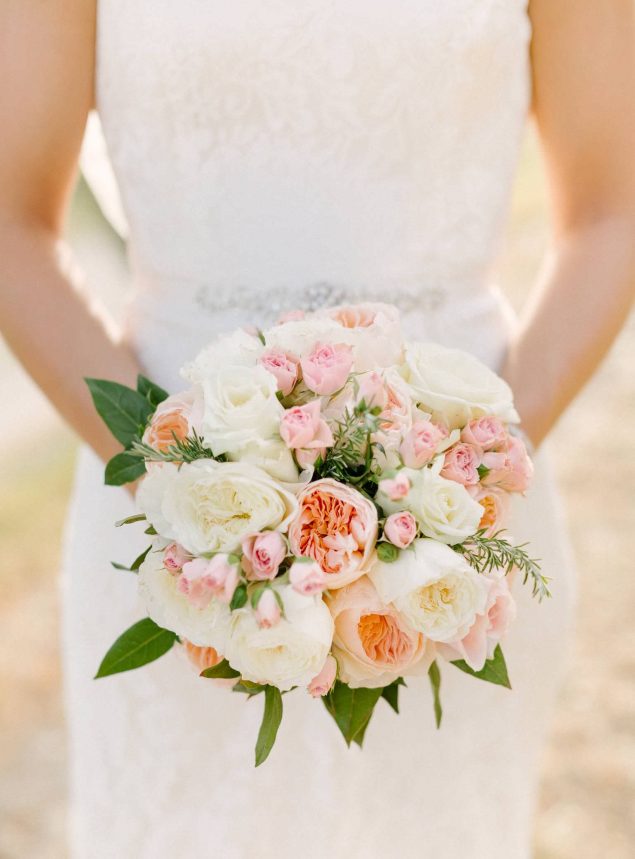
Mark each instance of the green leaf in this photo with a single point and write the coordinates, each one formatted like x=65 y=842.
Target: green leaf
x=248 y=688
x=223 y=670
x=143 y=642
x=133 y=568
x=351 y=709
x=151 y=530
x=240 y=598
x=435 y=681
x=391 y=693
x=124 y=411
x=271 y=719
x=138 y=517
x=124 y=468
x=152 y=392
x=494 y=670
x=483 y=471
x=387 y=553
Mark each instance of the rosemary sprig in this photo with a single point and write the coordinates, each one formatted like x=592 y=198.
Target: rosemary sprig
x=350 y=458
x=182 y=450
x=487 y=554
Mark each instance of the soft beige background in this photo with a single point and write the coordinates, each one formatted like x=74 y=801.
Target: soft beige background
x=588 y=798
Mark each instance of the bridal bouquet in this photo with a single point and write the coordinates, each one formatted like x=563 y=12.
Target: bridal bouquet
x=325 y=504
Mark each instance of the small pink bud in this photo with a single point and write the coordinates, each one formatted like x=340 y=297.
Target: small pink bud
x=322 y=684
x=307 y=578
x=174 y=556
x=268 y=610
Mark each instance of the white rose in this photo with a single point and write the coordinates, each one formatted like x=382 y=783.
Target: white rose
x=205 y=627
x=373 y=330
x=299 y=336
x=434 y=588
x=292 y=652
x=240 y=406
x=238 y=349
x=209 y=506
x=444 y=509
x=454 y=386
x=273 y=456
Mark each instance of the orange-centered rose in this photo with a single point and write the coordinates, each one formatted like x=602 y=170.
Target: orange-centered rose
x=337 y=527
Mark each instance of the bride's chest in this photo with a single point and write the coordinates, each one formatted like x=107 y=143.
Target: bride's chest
x=228 y=58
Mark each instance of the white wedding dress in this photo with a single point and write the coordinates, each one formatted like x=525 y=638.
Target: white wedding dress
x=274 y=155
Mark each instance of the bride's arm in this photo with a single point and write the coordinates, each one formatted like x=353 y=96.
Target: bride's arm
x=583 y=55
x=46 y=91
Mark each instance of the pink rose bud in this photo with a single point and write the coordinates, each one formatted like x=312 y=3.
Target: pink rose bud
x=511 y=469
x=400 y=529
x=461 y=464
x=203 y=579
x=487 y=433
x=303 y=427
x=283 y=366
x=268 y=610
x=420 y=443
x=174 y=556
x=262 y=555
x=307 y=578
x=372 y=391
x=395 y=488
x=291 y=316
x=327 y=368
x=323 y=683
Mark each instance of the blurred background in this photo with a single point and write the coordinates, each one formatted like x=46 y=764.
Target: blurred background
x=587 y=807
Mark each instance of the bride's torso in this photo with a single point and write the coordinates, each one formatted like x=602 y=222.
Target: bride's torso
x=287 y=153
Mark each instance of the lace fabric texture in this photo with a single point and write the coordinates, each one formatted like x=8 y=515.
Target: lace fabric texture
x=272 y=155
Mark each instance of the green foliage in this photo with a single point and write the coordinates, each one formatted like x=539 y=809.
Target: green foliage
x=391 y=693
x=124 y=467
x=271 y=718
x=351 y=709
x=350 y=459
x=435 y=682
x=129 y=520
x=239 y=598
x=248 y=688
x=494 y=670
x=223 y=671
x=143 y=642
x=387 y=553
x=487 y=554
x=181 y=450
x=134 y=567
x=124 y=411
x=152 y=392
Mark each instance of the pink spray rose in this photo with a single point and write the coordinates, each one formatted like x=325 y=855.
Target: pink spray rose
x=488 y=629
x=291 y=316
x=262 y=555
x=307 y=577
x=326 y=368
x=372 y=390
x=401 y=529
x=336 y=526
x=420 y=443
x=322 y=684
x=488 y=433
x=203 y=579
x=174 y=556
x=395 y=488
x=461 y=464
x=303 y=427
x=511 y=469
x=283 y=366
x=268 y=610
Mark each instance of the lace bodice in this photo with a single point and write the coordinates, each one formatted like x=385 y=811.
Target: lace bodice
x=269 y=153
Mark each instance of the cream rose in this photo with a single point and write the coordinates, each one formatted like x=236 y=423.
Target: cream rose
x=454 y=386
x=171 y=609
x=273 y=456
x=209 y=506
x=434 y=588
x=444 y=509
x=240 y=407
x=299 y=336
x=373 y=643
x=290 y=653
x=239 y=349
